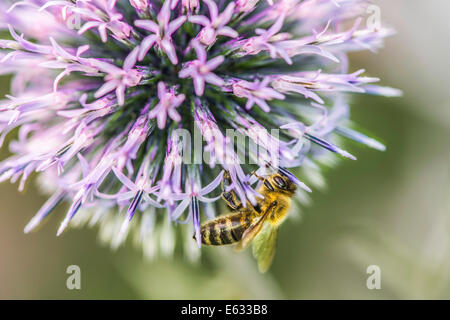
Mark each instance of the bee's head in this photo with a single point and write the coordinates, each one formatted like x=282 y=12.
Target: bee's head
x=280 y=183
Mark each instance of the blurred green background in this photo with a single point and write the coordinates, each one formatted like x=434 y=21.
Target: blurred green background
x=388 y=209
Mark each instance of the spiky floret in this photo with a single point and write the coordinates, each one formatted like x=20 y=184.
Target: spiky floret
x=102 y=89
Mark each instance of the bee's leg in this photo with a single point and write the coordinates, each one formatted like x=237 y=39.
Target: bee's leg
x=229 y=196
x=262 y=179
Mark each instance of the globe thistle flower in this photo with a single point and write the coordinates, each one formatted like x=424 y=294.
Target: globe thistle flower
x=106 y=96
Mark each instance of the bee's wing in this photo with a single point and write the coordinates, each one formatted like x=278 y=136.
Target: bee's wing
x=249 y=235
x=264 y=246
x=254 y=229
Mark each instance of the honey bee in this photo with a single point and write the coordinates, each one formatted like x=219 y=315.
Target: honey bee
x=257 y=224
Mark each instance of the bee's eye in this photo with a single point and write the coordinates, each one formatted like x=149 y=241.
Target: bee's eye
x=280 y=182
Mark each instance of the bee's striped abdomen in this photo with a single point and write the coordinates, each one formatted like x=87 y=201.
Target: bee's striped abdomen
x=225 y=230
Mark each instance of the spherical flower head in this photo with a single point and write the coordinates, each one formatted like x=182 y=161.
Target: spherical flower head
x=135 y=100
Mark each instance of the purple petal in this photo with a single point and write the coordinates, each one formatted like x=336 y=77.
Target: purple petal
x=45 y=210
